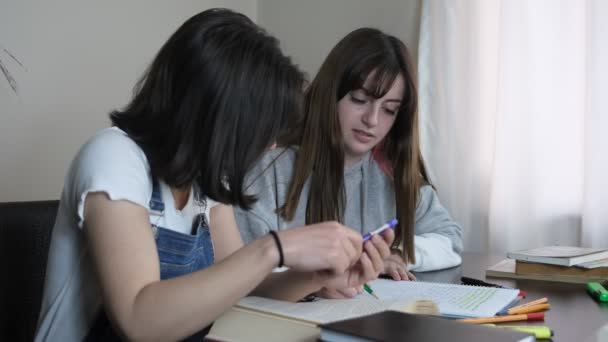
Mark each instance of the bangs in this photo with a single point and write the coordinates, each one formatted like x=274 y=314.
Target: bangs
x=381 y=81
x=375 y=77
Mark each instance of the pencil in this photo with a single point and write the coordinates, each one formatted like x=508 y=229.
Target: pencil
x=537 y=316
x=369 y=290
x=529 y=308
x=534 y=302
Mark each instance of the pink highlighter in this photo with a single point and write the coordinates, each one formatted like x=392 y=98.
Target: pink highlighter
x=388 y=225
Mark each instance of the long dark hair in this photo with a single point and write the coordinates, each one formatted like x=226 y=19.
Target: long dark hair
x=216 y=95
x=320 y=157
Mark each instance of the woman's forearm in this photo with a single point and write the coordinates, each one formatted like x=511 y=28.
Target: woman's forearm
x=189 y=303
x=289 y=286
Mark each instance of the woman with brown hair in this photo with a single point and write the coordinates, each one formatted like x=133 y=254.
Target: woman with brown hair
x=355 y=158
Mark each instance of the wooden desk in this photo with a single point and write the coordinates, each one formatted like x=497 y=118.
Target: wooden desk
x=574 y=316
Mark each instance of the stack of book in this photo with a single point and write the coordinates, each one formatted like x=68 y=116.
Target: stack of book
x=554 y=263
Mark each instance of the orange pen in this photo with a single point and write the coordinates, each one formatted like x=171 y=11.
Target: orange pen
x=534 y=302
x=537 y=316
x=529 y=308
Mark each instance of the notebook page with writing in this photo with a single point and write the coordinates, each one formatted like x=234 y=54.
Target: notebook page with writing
x=321 y=311
x=453 y=300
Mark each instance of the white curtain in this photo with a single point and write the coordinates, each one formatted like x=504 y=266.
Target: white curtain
x=514 y=119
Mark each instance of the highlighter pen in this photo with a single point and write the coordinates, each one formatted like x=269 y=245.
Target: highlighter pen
x=369 y=290
x=537 y=316
x=389 y=225
x=539 y=331
x=597 y=291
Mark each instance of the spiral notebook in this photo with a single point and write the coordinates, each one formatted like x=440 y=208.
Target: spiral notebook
x=453 y=300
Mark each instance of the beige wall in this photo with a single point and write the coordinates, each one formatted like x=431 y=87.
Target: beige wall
x=81 y=59
x=308 y=29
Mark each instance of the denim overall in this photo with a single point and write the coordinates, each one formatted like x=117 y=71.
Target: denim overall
x=178 y=253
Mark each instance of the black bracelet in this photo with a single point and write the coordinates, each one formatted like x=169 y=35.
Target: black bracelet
x=279 y=247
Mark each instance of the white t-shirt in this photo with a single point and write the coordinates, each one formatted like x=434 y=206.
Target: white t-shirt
x=113 y=163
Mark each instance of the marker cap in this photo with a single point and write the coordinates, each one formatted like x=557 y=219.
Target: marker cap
x=536 y=316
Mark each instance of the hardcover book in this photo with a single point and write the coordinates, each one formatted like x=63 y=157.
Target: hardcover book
x=506 y=269
x=522 y=267
x=399 y=326
x=559 y=255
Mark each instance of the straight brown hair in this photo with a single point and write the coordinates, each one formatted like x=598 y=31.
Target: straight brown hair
x=320 y=157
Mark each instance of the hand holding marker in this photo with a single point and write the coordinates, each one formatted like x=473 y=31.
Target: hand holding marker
x=389 y=225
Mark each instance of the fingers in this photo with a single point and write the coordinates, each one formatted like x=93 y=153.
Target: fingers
x=403 y=273
x=395 y=267
x=388 y=236
x=351 y=242
x=330 y=294
x=374 y=255
x=349 y=292
x=377 y=250
x=334 y=247
x=381 y=245
x=399 y=273
x=368 y=272
x=324 y=246
x=349 y=246
x=355 y=239
x=333 y=293
x=338 y=293
x=352 y=249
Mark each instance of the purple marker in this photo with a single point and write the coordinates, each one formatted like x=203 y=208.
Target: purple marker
x=389 y=225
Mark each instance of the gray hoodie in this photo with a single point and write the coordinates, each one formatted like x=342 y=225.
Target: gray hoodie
x=370 y=203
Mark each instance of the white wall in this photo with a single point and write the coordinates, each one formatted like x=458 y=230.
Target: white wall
x=308 y=29
x=81 y=60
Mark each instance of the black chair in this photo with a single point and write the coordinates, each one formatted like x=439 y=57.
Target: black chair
x=25 y=234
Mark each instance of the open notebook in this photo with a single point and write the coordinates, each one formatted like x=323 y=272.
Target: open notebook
x=452 y=300
x=320 y=311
